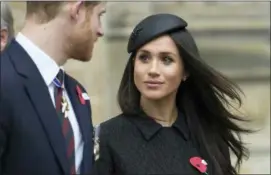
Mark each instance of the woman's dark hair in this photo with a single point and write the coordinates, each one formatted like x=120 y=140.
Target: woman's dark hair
x=204 y=98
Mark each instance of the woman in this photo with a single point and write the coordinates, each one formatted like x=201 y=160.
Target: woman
x=174 y=117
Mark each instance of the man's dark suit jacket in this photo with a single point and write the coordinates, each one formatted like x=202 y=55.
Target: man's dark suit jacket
x=31 y=141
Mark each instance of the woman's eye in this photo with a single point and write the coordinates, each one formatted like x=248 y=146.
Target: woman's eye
x=143 y=57
x=167 y=60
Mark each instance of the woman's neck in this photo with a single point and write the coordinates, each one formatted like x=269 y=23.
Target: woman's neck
x=162 y=111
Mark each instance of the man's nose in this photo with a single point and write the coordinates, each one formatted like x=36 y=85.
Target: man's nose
x=100 y=32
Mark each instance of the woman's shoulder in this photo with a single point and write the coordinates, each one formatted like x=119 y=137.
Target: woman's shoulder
x=114 y=125
x=115 y=121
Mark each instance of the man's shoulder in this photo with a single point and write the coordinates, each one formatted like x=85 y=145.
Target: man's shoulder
x=5 y=58
x=4 y=54
x=9 y=55
x=8 y=77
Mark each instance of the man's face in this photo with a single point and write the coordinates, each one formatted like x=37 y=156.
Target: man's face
x=85 y=32
x=4 y=38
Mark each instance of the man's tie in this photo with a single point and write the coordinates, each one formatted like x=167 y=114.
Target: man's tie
x=62 y=109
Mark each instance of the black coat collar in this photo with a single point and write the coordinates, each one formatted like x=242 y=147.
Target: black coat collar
x=148 y=127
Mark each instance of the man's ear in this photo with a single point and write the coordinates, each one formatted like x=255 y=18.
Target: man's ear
x=75 y=9
x=4 y=38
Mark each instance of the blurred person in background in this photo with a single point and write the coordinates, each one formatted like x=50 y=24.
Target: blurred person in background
x=7 y=28
x=45 y=122
x=174 y=117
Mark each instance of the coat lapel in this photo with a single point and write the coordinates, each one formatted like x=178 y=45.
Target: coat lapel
x=82 y=112
x=83 y=115
x=39 y=95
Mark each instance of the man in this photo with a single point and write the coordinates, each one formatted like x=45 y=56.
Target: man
x=45 y=121
x=7 y=30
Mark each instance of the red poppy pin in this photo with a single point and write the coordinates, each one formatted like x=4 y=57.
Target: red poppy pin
x=79 y=93
x=200 y=164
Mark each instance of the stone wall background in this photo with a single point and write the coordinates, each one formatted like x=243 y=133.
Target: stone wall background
x=234 y=37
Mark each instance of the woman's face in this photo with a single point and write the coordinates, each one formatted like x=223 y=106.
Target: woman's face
x=158 y=69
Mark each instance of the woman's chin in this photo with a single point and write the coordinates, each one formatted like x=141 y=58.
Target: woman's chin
x=153 y=96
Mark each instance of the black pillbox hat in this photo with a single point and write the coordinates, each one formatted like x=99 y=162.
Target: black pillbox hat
x=152 y=27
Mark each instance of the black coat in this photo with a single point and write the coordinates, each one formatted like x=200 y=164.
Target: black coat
x=139 y=145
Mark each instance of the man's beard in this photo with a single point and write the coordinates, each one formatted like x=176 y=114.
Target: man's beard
x=80 y=45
